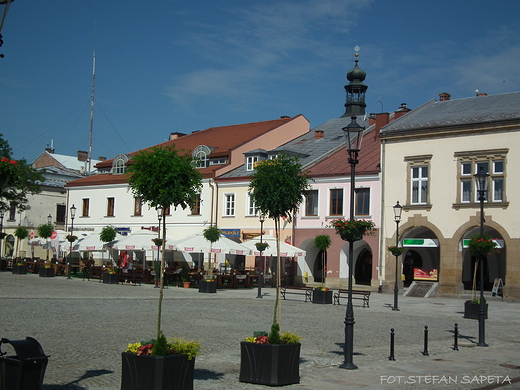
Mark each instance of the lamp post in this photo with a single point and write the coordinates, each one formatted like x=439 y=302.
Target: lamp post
x=353 y=137
x=4 y=16
x=261 y=270
x=481 y=179
x=159 y=217
x=1 y=231
x=49 y=222
x=398 y=209
x=72 y=215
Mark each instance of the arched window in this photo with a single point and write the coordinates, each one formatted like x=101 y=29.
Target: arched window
x=201 y=154
x=119 y=164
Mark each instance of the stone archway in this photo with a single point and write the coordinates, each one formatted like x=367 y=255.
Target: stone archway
x=363 y=268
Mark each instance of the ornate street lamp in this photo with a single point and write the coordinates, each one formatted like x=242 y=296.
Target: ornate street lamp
x=482 y=181
x=159 y=217
x=72 y=216
x=261 y=270
x=6 y=4
x=398 y=209
x=353 y=137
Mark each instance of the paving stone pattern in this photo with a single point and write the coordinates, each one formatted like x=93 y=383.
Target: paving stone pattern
x=85 y=325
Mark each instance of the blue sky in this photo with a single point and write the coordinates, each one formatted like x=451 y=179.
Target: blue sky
x=167 y=65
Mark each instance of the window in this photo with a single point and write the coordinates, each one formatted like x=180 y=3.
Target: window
x=492 y=162
x=229 y=206
x=419 y=185
x=250 y=163
x=252 y=210
x=311 y=203
x=138 y=207
x=201 y=155
x=60 y=213
x=195 y=210
x=85 y=208
x=110 y=207
x=362 y=201
x=12 y=212
x=336 y=202
x=119 y=164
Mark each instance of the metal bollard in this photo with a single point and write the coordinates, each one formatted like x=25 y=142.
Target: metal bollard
x=456 y=338
x=392 y=339
x=425 y=352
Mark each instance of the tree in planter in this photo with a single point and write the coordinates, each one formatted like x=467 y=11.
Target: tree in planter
x=480 y=248
x=108 y=234
x=45 y=231
x=21 y=233
x=212 y=234
x=164 y=177
x=277 y=188
x=323 y=242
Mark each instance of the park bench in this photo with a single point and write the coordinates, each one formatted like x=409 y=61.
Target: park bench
x=133 y=276
x=298 y=290
x=356 y=294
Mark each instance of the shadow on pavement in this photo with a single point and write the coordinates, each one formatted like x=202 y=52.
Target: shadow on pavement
x=203 y=374
x=74 y=384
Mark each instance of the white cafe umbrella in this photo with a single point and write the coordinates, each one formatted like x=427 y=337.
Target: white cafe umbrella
x=92 y=243
x=286 y=250
x=140 y=241
x=198 y=244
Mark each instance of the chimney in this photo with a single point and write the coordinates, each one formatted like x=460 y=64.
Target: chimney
x=82 y=156
x=482 y=94
x=176 y=136
x=318 y=134
x=371 y=119
x=444 y=96
x=285 y=117
x=100 y=158
x=382 y=119
x=403 y=109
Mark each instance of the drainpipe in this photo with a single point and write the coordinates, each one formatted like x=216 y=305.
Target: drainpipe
x=382 y=218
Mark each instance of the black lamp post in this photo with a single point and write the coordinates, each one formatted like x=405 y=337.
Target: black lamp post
x=481 y=179
x=353 y=137
x=398 y=209
x=1 y=231
x=159 y=217
x=72 y=216
x=2 y=21
x=261 y=270
x=49 y=222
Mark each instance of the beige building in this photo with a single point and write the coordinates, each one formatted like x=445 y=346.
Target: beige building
x=428 y=159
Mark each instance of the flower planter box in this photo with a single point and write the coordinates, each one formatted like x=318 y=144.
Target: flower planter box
x=19 y=269
x=172 y=372
x=323 y=297
x=46 y=272
x=270 y=364
x=110 y=278
x=471 y=310
x=207 y=287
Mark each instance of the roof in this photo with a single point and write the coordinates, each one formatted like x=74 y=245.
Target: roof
x=221 y=141
x=310 y=148
x=70 y=162
x=458 y=112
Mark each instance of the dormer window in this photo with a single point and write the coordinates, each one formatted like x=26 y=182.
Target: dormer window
x=201 y=154
x=119 y=164
x=250 y=163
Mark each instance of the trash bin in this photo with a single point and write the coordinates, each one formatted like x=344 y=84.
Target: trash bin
x=24 y=371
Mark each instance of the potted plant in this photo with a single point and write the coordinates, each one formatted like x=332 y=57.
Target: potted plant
x=19 y=267
x=21 y=233
x=71 y=238
x=322 y=242
x=185 y=277
x=395 y=250
x=157 y=241
x=479 y=247
x=267 y=362
x=107 y=235
x=45 y=231
x=208 y=285
x=111 y=276
x=352 y=230
x=162 y=177
x=277 y=188
x=261 y=246
x=322 y=295
x=47 y=271
x=160 y=364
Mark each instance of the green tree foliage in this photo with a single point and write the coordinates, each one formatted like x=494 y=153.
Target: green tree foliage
x=108 y=233
x=277 y=188
x=164 y=177
x=21 y=233
x=20 y=179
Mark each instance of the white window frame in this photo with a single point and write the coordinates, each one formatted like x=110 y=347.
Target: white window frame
x=250 y=163
x=251 y=209
x=229 y=204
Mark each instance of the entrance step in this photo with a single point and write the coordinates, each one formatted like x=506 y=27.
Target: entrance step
x=421 y=289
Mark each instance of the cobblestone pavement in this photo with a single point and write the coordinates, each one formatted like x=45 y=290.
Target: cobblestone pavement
x=85 y=325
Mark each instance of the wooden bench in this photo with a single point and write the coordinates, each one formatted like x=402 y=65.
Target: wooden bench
x=133 y=276
x=356 y=294
x=298 y=290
